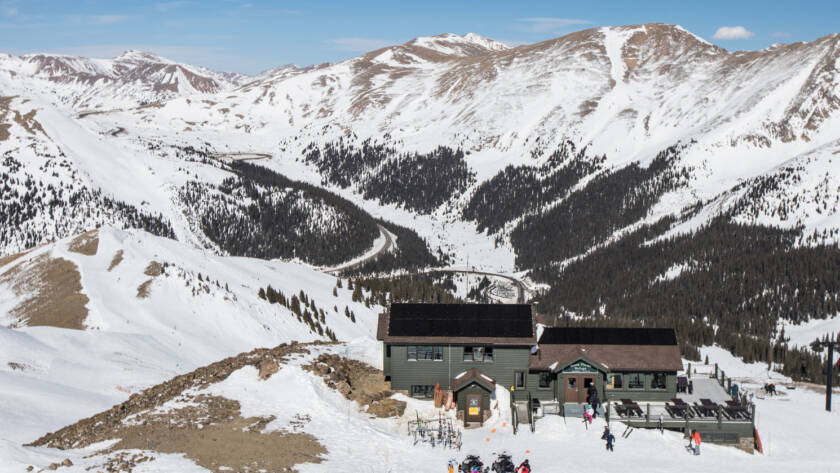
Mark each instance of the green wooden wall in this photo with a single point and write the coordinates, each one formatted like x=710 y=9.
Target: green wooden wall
x=405 y=373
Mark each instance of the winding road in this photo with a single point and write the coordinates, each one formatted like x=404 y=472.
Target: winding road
x=386 y=246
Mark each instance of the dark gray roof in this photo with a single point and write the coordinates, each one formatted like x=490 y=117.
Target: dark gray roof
x=458 y=323
x=608 y=336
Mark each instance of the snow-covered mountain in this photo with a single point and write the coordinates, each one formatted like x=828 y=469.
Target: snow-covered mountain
x=540 y=158
x=131 y=79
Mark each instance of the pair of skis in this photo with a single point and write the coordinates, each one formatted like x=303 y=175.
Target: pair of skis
x=629 y=430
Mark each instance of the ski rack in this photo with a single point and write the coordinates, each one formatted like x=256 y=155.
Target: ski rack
x=435 y=431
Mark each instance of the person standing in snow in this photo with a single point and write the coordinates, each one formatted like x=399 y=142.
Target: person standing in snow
x=595 y=403
x=589 y=413
x=608 y=437
x=696 y=438
x=524 y=467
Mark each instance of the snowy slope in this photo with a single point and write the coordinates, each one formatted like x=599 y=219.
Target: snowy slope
x=789 y=425
x=130 y=343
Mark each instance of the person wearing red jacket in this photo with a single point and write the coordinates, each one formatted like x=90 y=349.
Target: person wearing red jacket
x=695 y=437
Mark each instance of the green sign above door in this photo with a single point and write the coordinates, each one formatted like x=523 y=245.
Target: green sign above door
x=580 y=367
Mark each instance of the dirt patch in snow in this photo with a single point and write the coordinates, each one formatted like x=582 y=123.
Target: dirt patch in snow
x=85 y=244
x=4 y=260
x=103 y=425
x=359 y=382
x=52 y=288
x=212 y=432
x=209 y=430
x=144 y=290
x=154 y=269
x=116 y=260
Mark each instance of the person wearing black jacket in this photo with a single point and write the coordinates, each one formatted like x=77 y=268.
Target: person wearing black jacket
x=591 y=391
x=609 y=437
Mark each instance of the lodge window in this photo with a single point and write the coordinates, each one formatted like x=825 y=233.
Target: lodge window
x=426 y=391
x=484 y=354
x=636 y=381
x=420 y=352
x=519 y=380
x=614 y=381
x=657 y=381
x=545 y=379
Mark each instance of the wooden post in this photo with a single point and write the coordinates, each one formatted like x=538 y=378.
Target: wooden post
x=752 y=413
x=607 y=414
x=719 y=415
x=729 y=386
x=722 y=377
x=647 y=416
x=689 y=371
x=687 y=430
x=716 y=370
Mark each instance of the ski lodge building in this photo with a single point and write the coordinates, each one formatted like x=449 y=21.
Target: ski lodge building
x=470 y=349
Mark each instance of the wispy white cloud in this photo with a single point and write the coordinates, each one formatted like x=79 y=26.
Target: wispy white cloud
x=167 y=6
x=781 y=34
x=357 y=44
x=733 y=32
x=545 y=24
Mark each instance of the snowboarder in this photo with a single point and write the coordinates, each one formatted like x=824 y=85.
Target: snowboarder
x=524 y=467
x=695 y=437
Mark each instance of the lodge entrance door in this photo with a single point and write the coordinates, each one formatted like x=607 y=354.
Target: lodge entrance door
x=572 y=387
x=473 y=413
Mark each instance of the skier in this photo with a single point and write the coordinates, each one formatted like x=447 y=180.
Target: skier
x=524 y=467
x=450 y=466
x=610 y=438
x=696 y=438
x=589 y=413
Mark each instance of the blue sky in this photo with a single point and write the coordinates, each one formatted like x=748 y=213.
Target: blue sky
x=251 y=35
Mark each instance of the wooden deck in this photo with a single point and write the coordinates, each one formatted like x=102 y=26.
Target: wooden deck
x=708 y=409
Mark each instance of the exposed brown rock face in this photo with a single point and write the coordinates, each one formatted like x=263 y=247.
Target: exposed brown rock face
x=102 y=425
x=359 y=382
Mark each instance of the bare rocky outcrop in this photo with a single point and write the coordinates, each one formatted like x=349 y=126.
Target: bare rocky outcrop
x=359 y=382
x=100 y=426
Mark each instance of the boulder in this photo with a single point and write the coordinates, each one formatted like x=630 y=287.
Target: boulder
x=387 y=408
x=343 y=388
x=268 y=368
